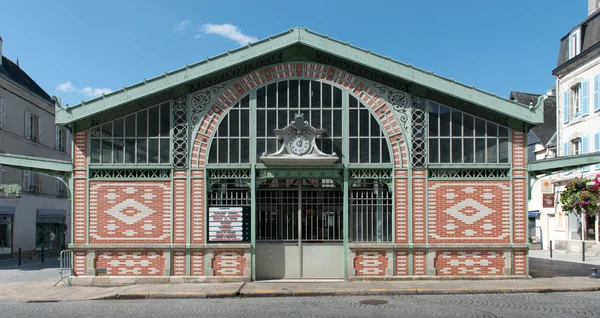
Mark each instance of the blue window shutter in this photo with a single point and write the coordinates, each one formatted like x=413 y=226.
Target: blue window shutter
x=596 y=104
x=584 y=97
x=566 y=107
x=585 y=149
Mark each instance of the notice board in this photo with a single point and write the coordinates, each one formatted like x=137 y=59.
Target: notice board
x=229 y=224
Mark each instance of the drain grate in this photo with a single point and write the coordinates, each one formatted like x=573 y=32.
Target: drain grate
x=373 y=302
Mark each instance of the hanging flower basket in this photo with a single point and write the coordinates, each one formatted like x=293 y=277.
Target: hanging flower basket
x=581 y=195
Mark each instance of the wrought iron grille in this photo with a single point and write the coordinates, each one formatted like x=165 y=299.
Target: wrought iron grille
x=180 y=132
x=469 y=173
x=370 y=173
x=229 y=174
x=230 y=193
x=418 y=132
x=371 y=212
x=130 y=173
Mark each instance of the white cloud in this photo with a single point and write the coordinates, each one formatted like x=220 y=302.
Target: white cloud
x=68 y=87
x=181 y=26
x=228 y=31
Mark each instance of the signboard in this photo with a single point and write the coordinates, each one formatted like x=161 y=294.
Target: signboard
x=547 y=186
x=548 y=200
x=229 y=224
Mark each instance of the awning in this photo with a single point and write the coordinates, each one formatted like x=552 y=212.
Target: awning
x=533 y=214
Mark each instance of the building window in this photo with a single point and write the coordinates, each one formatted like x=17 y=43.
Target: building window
x=231 y=143
x=576 y=146
x=33 y=127
x=2 y=113
x=576 y=100
x=574 y=43
x=31 y=182
x=59 y=189
x=61 y=139
x=140 y=138
x=460 y=138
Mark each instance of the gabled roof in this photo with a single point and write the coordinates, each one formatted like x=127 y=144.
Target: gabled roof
x=301 y=36
x=13 y=72
x=545 y=131
x=590 y=41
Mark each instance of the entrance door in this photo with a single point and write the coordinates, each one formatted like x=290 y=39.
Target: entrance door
x=5 y=236
x=299 y=230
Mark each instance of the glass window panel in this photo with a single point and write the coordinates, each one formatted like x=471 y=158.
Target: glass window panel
x=445 y=150
x=142 y=124
x=293 y=91
x=260 y=147
x=444 y=121
x=337 y=146
x=234 y=151
x=326 y=122
x=315 y=118
x=282 y=96
x=480 y=150
x=364 y=118
x=503 y=150
x=502 y=131
x=304 y=93
x=353 y=102
x=433 y=122
x=385 y=152
x=469 y=147
x=165 y=151
x=95 y=132
x=468 y=125
x=153 y=151
x=272 y=95
x=245 y=123
x=337 y=97
x=282 y=118
x=245 y=102
x=261 y=124
x=118 y=128
x=433 y=151
x=234 y=122
x=492 y=150
x=353 y=122
x=107 y=130
x=364 y=150
x=456 y=123
x=315 y=97
x=479 y=127
x=153 y=126
x=271 y=123
x=224 y=127
x=457 y=152
x=375 y=150
x=223 y=156
x=326 y=91
x=245 y=151
x=130 y=126
x=165 y=120
x=141 y=150
x=118 y=147
x=260 y=97
x=337 y=123
x=95 y=151
x=106 y=150
x=375 y=131
x=212 y=155
x=492 y=130
x=326 y=145
x=130 y=150
x=354 y=150
x=271 y=145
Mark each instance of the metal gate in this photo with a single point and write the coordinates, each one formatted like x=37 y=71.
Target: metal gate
x=299 y=229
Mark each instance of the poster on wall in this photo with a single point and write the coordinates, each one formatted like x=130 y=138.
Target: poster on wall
x=229 y=224
x=548 y=200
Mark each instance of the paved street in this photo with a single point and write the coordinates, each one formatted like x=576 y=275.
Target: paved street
x=30 y=270
x=504 y=305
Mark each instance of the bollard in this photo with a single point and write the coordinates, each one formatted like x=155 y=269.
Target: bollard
x=19 y=256
x=550 y=248
x=583 y=251
x=42 y=253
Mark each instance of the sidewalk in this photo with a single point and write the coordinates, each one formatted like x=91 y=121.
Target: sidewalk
x=43 y=291
x=561 y=255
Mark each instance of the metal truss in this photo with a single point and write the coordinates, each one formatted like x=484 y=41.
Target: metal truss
x=130 y=173
x=469 y=173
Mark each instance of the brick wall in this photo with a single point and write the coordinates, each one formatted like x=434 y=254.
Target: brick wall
x=401 y=263
x=520 y=262
x=198 y=263
x=370 y=263
x=179 y=208
x=131 y=263
x=179 y=263
x=419 y=263
x=401 y=198
x=469 y=263
x=198 y=207
x=418 y=207
x=79 y=259
x=229 y=263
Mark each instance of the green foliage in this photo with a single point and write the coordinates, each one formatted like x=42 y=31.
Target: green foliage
x=581 y=195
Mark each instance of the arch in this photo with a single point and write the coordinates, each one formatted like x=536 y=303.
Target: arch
x=358 y=87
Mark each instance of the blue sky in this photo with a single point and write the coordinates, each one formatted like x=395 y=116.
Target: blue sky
x=78 y=49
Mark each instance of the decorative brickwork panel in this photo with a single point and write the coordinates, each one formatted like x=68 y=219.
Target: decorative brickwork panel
x=79 y=265
x=469 y=212
x=470 y=263
x=198 y=211
x=130 y=212
x=519 y=150
x=80 y=150
x=419 y=263
x=229 y=263
x=520 y=262
x=198 y=264
x=370 y=263
x=129 y=263
x=401 y=197
x=179 y=263
x=79 y=211
x=401 y=263
x=418 y=207
x=520 y=210
x=179 y=210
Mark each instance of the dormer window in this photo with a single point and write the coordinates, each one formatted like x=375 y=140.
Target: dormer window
x=574 y=43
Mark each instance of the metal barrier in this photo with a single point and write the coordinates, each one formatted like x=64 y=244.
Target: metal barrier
x=66 y=267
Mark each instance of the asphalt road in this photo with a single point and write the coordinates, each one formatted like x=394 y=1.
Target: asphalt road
x=29 y=270
x=500 y=305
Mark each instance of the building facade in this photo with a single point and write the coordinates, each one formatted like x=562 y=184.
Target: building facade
x=295 y=157
x=34 y=209
x=577 y=82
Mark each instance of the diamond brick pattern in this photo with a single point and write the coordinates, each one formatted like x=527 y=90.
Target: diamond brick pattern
x=179 y=263
x=130 y=263
x=469 y=211
x=229 y=263
x=370 y=263
x=419 y=263
x=472 y=263
x=198 y=263
x=401 y=263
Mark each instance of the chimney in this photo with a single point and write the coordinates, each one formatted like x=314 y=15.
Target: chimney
x=0 y=51
x=593 y=6
x=551 y=92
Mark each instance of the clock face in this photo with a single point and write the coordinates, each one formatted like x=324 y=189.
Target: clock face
x=299 y=144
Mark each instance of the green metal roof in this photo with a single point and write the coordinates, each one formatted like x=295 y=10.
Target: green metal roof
x=36 y=164
x=548 y=166
x=532 y=114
